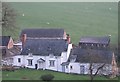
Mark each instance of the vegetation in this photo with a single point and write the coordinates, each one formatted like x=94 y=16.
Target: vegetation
x=78 y=19
x=8 y=21
x=47 y=77
x=32 y=74
x=93 y=58
x=8 y=16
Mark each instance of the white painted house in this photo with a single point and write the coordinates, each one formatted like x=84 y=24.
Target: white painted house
x=43 y=49
x=43 y=54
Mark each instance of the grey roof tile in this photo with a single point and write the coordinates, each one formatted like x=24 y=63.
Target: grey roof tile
x=97 y=40
x=44 y=47
x=95 y=56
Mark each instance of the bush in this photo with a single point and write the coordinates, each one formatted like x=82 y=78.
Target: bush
x=47 y=77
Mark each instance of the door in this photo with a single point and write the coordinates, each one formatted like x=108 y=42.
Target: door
x=41 y=65
x=63 y=68
x=36 y=66
x=82 y=69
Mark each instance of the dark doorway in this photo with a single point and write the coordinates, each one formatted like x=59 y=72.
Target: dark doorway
x=36 y=66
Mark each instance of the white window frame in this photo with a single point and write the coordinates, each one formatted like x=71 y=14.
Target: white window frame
x=52 y=63
x=30 y=62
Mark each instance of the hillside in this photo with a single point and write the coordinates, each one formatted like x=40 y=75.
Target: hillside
x=78 y=19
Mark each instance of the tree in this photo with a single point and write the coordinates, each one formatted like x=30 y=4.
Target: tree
x=118 y=51
x=8 y=16
x=94 y=58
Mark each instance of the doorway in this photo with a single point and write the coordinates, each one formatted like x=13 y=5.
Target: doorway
x=36 y=66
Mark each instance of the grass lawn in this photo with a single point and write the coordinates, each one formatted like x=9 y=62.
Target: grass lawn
x=77 y=18
x=31 y=74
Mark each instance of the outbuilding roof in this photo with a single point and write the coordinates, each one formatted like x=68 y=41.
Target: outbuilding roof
x=97 y=40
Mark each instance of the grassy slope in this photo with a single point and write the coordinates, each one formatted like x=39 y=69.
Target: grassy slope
x=36 y=74
x=78 y=19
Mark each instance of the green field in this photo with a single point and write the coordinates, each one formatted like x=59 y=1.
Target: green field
x=32 y=74
x=77 y=18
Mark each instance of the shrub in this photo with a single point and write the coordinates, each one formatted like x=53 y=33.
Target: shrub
x=47 y=77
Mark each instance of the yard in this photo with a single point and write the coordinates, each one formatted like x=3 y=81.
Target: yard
x=32 y=74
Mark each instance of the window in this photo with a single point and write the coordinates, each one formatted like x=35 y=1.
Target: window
x=19 y=60
x=104 y=45
x=52 y=63
x=97 y=45
x=71 y=67
x=30 y=62
x=82 y=69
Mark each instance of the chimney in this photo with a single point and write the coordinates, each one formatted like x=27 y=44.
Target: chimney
x=68 y=38
x=73 y=45
x=64 y=36
x=23 y=39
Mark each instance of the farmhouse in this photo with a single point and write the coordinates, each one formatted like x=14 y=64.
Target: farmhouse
x=43 y=54
x=43 y=49
x=51 y=49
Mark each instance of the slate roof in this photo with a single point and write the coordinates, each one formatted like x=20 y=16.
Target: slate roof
x=4 y=40
x=40 y=33
x=44 y=47
x=97 y=40
x=97 y=56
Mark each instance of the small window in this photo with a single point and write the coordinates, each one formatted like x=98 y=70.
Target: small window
x=97 y=45
x=29 y=62
x=71 y=67
x=52 y=63
x=19 y=60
